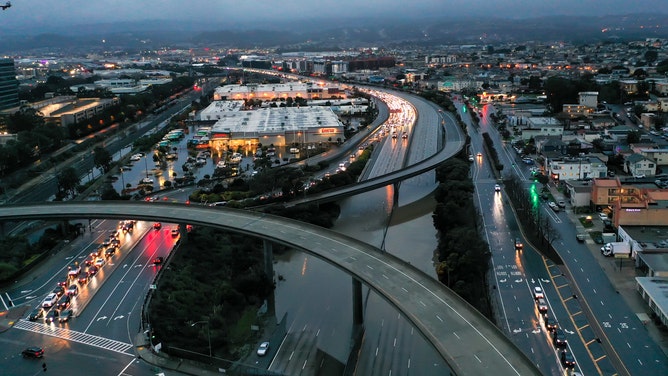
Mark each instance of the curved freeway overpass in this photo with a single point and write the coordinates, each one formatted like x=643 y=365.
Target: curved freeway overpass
x=454 y=143
x=467 y=341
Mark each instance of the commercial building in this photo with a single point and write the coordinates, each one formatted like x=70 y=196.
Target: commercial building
x=77 y=110
x=280 y=126
x=576 y=168
x=631 y=204
x=272 y=92
x=9 y=85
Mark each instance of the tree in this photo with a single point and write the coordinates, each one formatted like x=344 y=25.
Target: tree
x=102 y=159
x=633 y=137
x=651 y=56
x=67 y=181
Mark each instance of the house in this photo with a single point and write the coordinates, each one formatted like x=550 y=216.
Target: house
x=579 y=192
x=576 y=168
x=639 y=165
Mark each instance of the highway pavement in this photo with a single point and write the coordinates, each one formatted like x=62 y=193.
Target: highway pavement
x=469 y=343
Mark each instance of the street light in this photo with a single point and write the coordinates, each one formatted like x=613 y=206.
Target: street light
x=208 y=332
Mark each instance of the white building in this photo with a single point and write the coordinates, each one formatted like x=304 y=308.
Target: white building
x=217 y=109
x=267 y=92
x=279 y=126
x=577 y=168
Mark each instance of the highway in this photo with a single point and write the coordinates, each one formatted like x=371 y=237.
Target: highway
x=470 y=344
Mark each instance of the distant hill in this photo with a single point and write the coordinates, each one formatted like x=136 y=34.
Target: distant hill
x=323 y=34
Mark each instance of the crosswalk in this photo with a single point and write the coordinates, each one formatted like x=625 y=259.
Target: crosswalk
x=72 y=335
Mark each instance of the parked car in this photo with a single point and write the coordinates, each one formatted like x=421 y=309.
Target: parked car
x=602 y=216
x=581 y=236
x=33 y=352
x=561 y=203
x=263 y=349
x=553 y=206
x=36 y=313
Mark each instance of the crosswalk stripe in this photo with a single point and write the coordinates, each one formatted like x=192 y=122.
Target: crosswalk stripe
x=74 y=336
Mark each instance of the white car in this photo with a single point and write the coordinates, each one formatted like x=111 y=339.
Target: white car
x=50 y=300
x=603 y=216
x=497 y=188
x=538 y=293
x=542 y=305
x=262 y=350
x=135 y=157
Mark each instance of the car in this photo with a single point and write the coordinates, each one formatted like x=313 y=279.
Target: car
x=33 y=352
x=518 y=245
x=559 y=338
x=64 y=302
x=90 y=259
x=479 y=155
x=471 y=159
x=219 y=203
x=553 y=206
x=158 y=260
x=74 y=270
x=135 y=157
x=157 y=226
x=175 y=232
x=497 y=188
x=110 y=252
x=263 y=349
x=542 y=305
x=63 y=283
x=538 y=292
x=73 y=290
x=52 y=316
x=59 y=290
x=99 y=262
x=567 y=359
x=50 y=300
x=581 y=236
x=83 y=277
x=65 y=315
x=561 y=204
x=640 y=176
x=550 y=324
x=36 y=313
x=602 y=216
x=92 y=270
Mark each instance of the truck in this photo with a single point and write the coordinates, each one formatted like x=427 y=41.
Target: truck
x=615 y=248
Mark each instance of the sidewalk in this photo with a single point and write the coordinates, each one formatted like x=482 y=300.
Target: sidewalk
x=161 y=360
x=622 y=279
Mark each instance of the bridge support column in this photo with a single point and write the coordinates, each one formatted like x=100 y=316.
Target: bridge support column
x=358 y=313
x=395 y=194
x=183 y=232
x=268 y=250
x=64 y=228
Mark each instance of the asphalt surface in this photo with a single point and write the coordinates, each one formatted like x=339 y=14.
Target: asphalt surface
x=470 y=344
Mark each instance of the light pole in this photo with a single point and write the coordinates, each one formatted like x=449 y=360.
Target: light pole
x=122 y=181
x=208 y=332
x=146 y=165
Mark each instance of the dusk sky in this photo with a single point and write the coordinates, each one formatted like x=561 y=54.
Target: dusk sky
x=41 y=14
